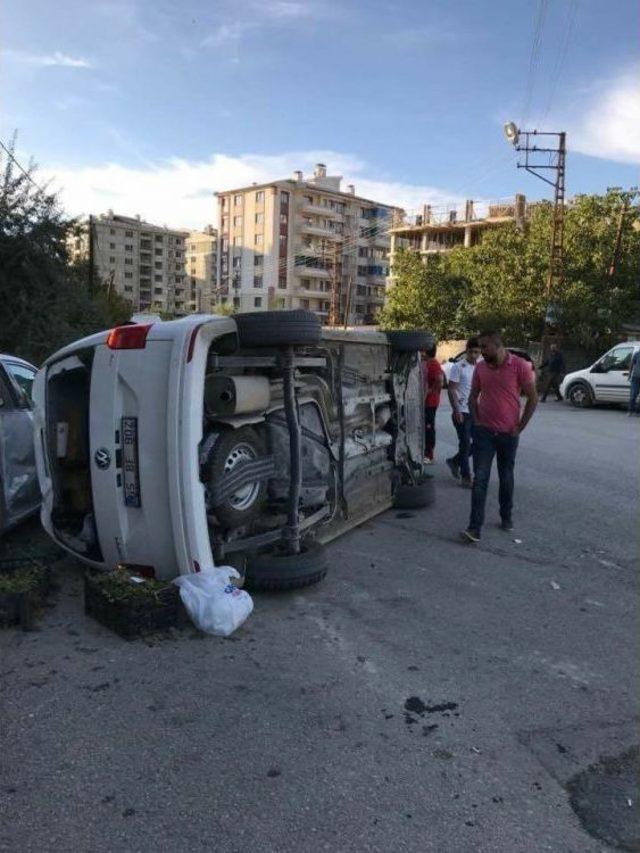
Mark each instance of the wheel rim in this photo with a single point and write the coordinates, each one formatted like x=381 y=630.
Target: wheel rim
x=578 y=395
x=244 y=497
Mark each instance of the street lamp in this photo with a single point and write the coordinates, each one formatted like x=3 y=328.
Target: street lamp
x=511 y=132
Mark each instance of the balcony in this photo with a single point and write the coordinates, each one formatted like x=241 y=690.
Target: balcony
x=319 y=230
x=321 y=210
x=312 y=272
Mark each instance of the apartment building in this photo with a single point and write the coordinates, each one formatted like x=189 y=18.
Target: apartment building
x=201 y=264
x=297 y=243
x=430 y=233
x=144 y=263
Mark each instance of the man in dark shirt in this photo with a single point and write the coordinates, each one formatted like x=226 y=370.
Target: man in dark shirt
x=555 y=368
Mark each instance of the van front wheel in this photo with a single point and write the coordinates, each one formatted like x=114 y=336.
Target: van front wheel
x=580 y=395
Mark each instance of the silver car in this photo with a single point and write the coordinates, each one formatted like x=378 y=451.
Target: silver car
x=19 y=492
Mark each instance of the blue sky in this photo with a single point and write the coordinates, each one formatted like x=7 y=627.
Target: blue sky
x=150 y=106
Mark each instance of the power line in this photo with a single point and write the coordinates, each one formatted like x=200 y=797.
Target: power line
x=24 y=171
x=534 y=58
x=557 y=71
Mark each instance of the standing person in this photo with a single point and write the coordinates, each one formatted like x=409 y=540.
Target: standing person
x=459 y=392
x=555 y=367
x=432 y=378
x=634 y=378
x=498 y=421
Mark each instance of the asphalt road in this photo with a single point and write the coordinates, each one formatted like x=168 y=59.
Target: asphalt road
x=427 y=696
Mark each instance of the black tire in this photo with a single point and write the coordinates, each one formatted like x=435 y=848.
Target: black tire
x=410 y=341
x=279 y=571
x=580 y=395
x=232 y=447
x=416 y=497
x=278 y=328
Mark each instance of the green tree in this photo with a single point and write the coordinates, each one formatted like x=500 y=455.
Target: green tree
x=45 y=300
x=425 y=296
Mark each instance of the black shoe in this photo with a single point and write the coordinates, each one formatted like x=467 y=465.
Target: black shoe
x=470 y=536
x=453 y=467
x=507 y=526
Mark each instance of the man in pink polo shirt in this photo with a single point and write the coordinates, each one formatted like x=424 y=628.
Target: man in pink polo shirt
x=498 y=420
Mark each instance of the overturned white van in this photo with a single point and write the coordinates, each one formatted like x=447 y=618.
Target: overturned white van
x=250 y=440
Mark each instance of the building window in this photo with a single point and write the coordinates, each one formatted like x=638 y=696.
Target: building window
x=284 y=198
x=158 y=251
x=283 y=240
x=128 y=288
x=257 y=281
x=304 y=303
x=223 y=202
x=128 y=233
x=112 y=260
x=237 y=241
x=237 y=263
x=282 y=282
x=158 y=265
x=128 y=275
x=258 y=239
x=258 y=260
x=259 y=218
x=237 y=221
x=257 y=301
x=112 y=245
x=128 y=261
x=157 y=278
x=112 y=230
x=280 y=303
x=159 y=238
x=260 y=196
x=283 y=218
x=237 y=200
x=128 y=247
x=236 y=301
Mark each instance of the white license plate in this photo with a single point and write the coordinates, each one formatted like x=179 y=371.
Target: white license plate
x=130 y=475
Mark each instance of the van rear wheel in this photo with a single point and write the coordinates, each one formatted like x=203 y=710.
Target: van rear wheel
x=281 y=571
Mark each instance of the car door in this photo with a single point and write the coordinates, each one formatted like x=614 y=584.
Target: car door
x=611 y=379
x=19 y=491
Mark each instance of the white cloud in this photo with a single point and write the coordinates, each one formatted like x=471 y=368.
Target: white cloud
x=226 y=34
x=179 y=193
x=47 y=60
x=610 y=127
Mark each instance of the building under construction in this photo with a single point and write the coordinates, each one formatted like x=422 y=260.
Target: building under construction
x=431 y=233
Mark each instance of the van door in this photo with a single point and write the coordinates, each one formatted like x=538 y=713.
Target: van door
x=611 y=379
x=20 y=495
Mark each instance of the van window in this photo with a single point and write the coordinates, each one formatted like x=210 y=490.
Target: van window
x=618 y=359
x=23 y=376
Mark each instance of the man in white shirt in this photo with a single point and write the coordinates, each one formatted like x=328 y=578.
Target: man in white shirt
x=459 y=391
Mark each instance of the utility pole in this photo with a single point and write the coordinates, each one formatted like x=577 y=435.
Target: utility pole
x=347 y=309
x=539 y=159
x=91 y=256
x=618 y=243
x=336 y=289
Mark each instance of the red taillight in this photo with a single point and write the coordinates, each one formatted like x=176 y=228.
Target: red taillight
x=192 y=341
x=129 y=337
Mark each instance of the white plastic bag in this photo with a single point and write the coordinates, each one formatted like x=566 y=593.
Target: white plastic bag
x=214 y=604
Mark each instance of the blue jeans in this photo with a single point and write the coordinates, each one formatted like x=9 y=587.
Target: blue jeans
x=634 y=403
x=486 y=445
x=464 y=445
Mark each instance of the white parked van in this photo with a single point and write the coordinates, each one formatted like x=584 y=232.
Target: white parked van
x=606 y=381
x=167 y=447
